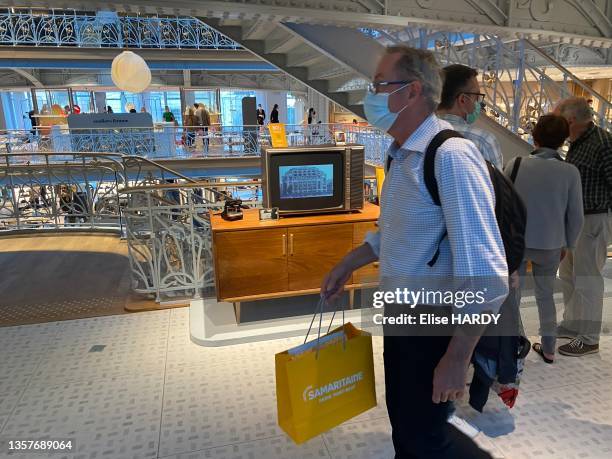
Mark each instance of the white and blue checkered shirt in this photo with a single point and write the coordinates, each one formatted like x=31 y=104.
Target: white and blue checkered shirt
x=411 y=225
x=485 y=141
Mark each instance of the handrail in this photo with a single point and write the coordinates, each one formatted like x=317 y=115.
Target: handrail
x=62 y=153
x=129 y=159
x=157 y=128
x=221 y=128
x=197 y=184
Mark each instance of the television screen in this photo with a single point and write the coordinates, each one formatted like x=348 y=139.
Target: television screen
x=306 y=181
x=303 y=180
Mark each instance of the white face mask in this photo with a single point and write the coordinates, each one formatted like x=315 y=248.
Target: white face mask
x=377 y=112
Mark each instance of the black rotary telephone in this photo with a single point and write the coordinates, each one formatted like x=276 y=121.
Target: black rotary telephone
x=233 y=210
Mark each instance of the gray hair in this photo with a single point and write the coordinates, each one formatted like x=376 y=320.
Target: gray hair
x=420 y=64
x=578 y=107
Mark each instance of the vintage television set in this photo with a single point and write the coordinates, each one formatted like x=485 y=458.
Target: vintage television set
x=313 y=179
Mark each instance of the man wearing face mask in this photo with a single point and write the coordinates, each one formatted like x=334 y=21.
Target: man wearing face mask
x=424 y=373
x=461 y=104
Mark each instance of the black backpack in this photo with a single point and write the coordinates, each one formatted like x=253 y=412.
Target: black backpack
x=510 y=210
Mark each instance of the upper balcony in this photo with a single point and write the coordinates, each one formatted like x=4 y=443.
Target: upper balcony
x=65 y=28
x=167 y=142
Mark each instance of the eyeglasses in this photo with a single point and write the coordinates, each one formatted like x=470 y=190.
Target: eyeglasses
x=373 y=87
x=480 y=97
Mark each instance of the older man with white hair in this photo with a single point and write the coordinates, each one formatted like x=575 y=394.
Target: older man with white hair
x=581 y=271
x=419 y=242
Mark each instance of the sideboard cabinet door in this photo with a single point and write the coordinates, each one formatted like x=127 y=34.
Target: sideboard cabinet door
x=252 y=262
x=314 y=250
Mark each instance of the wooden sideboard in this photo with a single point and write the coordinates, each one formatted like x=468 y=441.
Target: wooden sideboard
x=257 y=259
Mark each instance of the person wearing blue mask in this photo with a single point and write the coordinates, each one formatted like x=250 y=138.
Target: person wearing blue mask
x=461 y=105
x=426 y=367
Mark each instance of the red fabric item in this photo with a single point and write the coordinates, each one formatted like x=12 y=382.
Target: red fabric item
x=508 y=395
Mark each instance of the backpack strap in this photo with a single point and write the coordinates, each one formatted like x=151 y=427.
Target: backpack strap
x=430 y=162
x=515 y=168
x=430 y=177
x=433 y=260
x=430 y=157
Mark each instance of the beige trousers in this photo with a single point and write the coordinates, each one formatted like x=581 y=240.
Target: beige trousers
x=581 y=274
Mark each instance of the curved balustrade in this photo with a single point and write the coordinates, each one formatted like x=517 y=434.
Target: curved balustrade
x=168 y=233
x=188 y=142
x=107 y=30
x=41 y=190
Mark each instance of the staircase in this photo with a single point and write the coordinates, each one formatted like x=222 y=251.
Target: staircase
x=514 y=73
x=311 y=54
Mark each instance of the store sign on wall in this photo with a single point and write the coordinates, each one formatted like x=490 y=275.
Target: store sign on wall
x=110 y=120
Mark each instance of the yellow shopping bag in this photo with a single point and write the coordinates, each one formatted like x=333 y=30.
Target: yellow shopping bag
x=323 y=386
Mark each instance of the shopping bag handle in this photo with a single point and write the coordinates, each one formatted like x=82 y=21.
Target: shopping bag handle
x=319 y=310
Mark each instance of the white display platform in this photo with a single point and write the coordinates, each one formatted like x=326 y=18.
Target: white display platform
x=213 y=324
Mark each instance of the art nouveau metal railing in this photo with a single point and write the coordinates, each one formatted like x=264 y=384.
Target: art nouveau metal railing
x=42 y=190
x=186 y=142
x=46 y=190
x=167 y=227
x=22 y=27
x=521 y=81
x=162 y=214
x=169 y=237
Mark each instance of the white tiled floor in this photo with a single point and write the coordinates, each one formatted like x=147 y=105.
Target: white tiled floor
x=151 y=393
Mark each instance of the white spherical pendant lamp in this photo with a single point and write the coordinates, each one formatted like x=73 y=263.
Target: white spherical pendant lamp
x=130 y=72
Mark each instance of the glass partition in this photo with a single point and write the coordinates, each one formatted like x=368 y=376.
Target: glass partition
x=231 y=106
x=292 y=110
x=208 y=98
x=16 y=106
x=85 y=101
x=47 y=98
x=157 y=101
x=173 y=101
x=154 y=102
x=117 y=100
